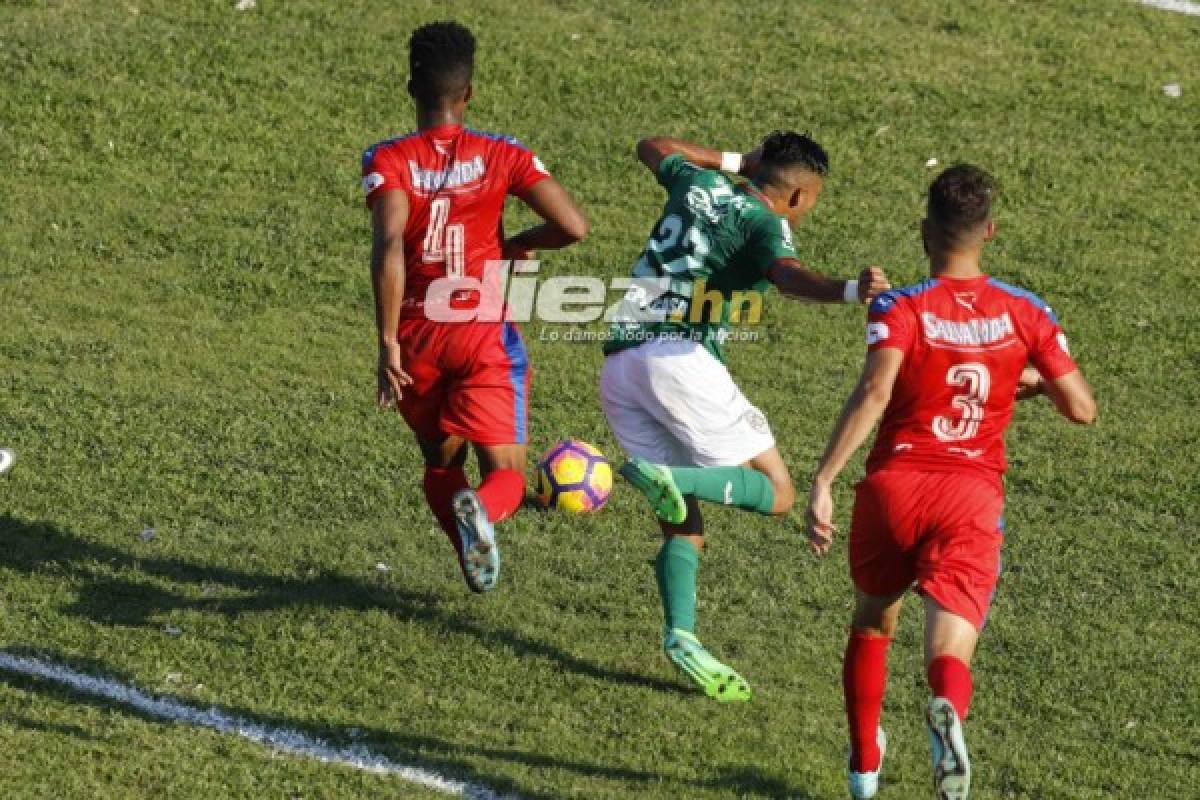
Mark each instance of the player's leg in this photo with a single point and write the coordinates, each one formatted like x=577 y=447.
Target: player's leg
x=864 y=683
x=761 y=484
x=677 y=564
x=949 y=646
x=502 y=489
x=421 y=406
x=958 y=568
x=882 y=569
x=676 y=570
x=487 y=404
x=694 y=397
x=444 y=477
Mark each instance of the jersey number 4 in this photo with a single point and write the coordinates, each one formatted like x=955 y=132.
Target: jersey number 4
x=444 y=242
x=977 y=382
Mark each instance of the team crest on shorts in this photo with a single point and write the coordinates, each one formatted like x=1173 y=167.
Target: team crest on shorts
x=755 y=419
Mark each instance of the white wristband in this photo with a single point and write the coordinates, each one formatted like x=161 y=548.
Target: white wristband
x=850 y=294
x=731 y=162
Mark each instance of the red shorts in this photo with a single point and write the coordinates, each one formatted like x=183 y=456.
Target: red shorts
x=470 y=379
x=940 y=530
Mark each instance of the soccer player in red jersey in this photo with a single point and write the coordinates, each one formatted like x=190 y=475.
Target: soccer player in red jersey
x=436 y=198
x=946 y=360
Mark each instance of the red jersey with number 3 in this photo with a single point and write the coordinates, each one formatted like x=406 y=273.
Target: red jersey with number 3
x=456 y=180
x=965 y=344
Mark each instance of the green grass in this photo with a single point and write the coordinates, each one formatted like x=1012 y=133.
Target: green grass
x=187 y=344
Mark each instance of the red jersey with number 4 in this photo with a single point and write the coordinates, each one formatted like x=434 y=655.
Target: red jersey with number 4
x=965 y=344
x=456 y=180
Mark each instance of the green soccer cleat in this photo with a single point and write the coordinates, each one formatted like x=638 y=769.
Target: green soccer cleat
x=714 y=678
x=659 y=488
x=951 y=764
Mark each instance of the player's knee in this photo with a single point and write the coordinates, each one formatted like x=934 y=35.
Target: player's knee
x=876 y=624
x=785 y=496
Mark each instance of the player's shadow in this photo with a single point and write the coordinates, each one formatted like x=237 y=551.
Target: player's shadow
x=451 y=759
x=108 y=597
x=448 y=759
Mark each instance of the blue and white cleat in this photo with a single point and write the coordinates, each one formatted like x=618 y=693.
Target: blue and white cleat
x=481 y=556
x=864 y=785
x=6 y=460
x=951 y=765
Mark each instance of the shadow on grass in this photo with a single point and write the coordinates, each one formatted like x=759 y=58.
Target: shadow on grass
x=41 y=726
x=447 y=758
x=42 y=548
x=37 y=547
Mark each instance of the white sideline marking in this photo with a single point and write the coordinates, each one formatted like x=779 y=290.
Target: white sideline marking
x=1180 y=6
x=286 y=740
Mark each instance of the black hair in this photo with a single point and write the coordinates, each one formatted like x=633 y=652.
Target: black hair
x=960 y=200
x=784 y=150
x=441 y=60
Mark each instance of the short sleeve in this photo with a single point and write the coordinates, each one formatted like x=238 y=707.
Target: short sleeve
x=889 y=323
x=768 y=239
x=1048 y=349
x=672 y=168
x=526 y=170
x=379 y=174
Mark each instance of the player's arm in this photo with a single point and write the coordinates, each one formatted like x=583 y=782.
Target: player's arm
x=653 y=149
x=389 y=214
x=1070 y=393
x=863 y=409
x=564 y=224
x=793 y=279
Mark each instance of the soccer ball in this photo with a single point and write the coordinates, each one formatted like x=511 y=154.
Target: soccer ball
x=573 y=476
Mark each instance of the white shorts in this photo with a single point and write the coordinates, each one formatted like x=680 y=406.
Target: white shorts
x=672 y=402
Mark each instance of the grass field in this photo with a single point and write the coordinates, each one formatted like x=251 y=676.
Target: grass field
x=187 y=345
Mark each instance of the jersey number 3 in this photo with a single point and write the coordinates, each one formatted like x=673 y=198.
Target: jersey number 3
x=977 y=382
x=444 y=242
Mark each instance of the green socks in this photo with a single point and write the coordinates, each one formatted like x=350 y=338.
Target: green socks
x=742 y=487
x=676 y=568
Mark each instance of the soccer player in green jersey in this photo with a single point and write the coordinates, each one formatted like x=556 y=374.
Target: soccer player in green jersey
x=688 y=431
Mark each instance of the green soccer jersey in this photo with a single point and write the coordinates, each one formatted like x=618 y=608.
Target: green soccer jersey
x=705 y=264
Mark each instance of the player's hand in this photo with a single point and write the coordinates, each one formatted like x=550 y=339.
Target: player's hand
x=818 y=519
x=872 y=282
x=1030 y=384
x=391 y=377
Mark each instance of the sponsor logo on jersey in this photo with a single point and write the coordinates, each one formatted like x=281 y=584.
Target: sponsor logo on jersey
x=372 y=182
x=700 y=201
x=877 y=332
x=455 y=176
x=980 y=332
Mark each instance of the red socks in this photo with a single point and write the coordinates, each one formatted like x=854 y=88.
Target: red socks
x=440 y=485
x=864 y=678
x=502 y=493
x=951 y=678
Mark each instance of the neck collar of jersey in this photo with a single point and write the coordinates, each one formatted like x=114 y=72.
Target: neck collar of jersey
x=445 y=129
